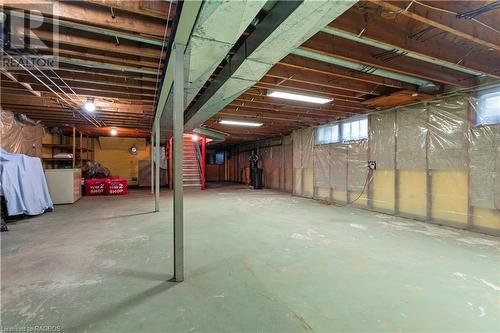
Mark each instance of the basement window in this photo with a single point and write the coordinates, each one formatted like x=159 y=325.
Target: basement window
x=488 y=112
x=219 y=157
x=350 y=130
x=356 y=129
x=327 y=134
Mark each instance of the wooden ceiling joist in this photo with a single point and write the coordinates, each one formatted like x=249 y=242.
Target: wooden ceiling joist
x=156 y=9
x=329 y=45
x=256 y=97
x=306 y=64
x=311 y=89
x=444 y=20
x=102 y=59
x=280 y=109
x=390 y=32
x=71 y=81
x=48 y=102
x=109 y=51
x=285 y=73
x=108 y=44
x=93 y=15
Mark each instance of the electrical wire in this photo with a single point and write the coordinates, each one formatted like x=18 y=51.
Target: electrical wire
x=479 y=11
x=92 y=119
x=369 y=178
x=93 y=122
x=55 y=84
x=455 y=14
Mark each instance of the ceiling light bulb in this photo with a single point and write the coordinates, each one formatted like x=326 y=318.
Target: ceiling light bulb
x=298 y=97
x=89 y=106
x=114 y=132
x=240 y=123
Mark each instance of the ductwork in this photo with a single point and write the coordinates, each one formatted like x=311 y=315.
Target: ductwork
x=303 y=20
x=216 y=136
x=218 y=27
x=184 y=21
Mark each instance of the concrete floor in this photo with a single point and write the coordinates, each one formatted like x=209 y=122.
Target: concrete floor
x=256 y=261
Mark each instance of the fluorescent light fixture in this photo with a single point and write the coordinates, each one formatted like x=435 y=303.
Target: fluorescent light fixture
x=298 y=97
x=89 y=105
x=239 y=123
x=114 y=132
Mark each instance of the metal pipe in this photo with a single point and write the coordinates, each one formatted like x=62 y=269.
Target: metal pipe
x=388 y=47
x=359 y=67
x=178 y=159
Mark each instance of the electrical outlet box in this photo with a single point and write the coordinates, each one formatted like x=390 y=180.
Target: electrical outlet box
x=372 y=165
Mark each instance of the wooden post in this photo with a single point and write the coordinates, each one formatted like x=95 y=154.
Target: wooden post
x=81 y=149
x=88 y=147
x=74 y=146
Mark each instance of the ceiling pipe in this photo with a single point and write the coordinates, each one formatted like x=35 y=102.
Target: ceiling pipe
x=388 y=47
x=424 y=85
x=211 y=133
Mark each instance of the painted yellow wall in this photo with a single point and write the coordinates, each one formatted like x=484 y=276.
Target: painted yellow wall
x=486 y=218
x=383 y=189
x=113 y=153
x=449 y=195
x=412 y=192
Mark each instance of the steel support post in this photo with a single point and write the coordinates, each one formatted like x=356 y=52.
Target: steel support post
x=152 y=152
x=157 y=166
x=178 y=161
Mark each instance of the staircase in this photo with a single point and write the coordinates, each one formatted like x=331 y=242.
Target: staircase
x=192 y=177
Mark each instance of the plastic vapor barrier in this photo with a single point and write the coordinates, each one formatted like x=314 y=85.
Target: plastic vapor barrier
x=434 y=163
x=20 y=138
x=303 y=143
x=275 y=158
